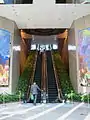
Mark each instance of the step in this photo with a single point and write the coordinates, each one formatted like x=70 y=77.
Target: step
x=52 y=88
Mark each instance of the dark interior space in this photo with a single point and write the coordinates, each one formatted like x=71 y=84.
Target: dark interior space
x=44 y=31
x=31 y=1
x=27 y=2
x=60 y=1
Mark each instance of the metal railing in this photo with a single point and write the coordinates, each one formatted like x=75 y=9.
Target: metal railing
x=46 y=78
x=60 y=95
x=44 y=71
x=81 y=1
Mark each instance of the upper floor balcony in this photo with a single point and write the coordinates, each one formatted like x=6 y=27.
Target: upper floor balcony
x=81 y=1
x=34 y=1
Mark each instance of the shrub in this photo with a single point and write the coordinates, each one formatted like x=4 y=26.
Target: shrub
x=8 y=98
x=24 y=79
x=62 y=74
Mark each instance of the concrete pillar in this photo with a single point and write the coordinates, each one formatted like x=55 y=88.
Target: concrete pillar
x=78 y=54
x=11 y=27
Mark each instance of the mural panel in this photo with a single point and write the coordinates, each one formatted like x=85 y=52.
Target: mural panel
x=4 y=57
x=8 y=1
x=84 y=56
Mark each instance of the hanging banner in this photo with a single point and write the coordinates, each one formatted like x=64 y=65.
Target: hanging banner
x=84 y=56
x=4 y=57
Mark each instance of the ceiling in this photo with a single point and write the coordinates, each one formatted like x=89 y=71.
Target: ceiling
x=44 y=14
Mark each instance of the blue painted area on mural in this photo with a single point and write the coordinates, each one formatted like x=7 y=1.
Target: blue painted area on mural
x=4 y=46
x=8 y=1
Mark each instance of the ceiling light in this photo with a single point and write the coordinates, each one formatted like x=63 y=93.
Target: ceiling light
x=72 y=47
x=32 y=37
x=74 y=13
x=17 y=48
x=59 y=19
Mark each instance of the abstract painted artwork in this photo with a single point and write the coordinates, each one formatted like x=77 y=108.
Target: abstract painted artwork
x=4 y=57
x=8 y=1
x=84 y=56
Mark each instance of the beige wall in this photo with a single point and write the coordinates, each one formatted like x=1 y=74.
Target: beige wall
x=72 y=57
x=10 y=26
x=15 y=59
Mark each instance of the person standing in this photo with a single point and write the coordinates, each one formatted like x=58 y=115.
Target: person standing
x=34 y=91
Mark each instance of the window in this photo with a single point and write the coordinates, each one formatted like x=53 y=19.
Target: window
x=1 y=1
x=27 y=1
x=60 y=1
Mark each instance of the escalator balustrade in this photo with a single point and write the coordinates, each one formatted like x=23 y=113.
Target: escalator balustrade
x=52 y=87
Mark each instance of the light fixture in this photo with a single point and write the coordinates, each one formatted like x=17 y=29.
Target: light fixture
x=17 y=48
x=72 y=47
x=33 y=47
x=55 y=46
x=32 y=37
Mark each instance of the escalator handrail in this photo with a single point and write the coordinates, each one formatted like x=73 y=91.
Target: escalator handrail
x=46 y=78
x=60 y=95
x=42 y=71
x=32 y=78
x=44 y=83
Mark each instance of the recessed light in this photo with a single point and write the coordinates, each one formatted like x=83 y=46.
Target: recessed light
x=59 y=19
x=12 y=5
x=74 y=13
x=13 y=9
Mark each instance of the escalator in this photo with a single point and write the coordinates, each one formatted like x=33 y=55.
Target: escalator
x=52 y=87
x=38 y=73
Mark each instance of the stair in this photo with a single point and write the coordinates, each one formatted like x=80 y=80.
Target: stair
x=37 y=76
x=52 y=87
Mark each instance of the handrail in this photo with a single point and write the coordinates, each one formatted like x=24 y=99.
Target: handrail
x=60 y=95
x=43 y=71
x=32 y=77
x=46 y=77
x=34 y=68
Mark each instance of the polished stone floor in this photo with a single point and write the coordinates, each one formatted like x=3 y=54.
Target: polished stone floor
x=54 y=111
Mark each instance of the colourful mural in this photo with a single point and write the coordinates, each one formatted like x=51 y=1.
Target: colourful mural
x=8 y=1
x=84 y=56
x=4 y=57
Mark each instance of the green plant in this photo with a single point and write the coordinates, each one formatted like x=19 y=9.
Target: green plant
x=8 y=98
x=62 y=74
x=24 y=79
